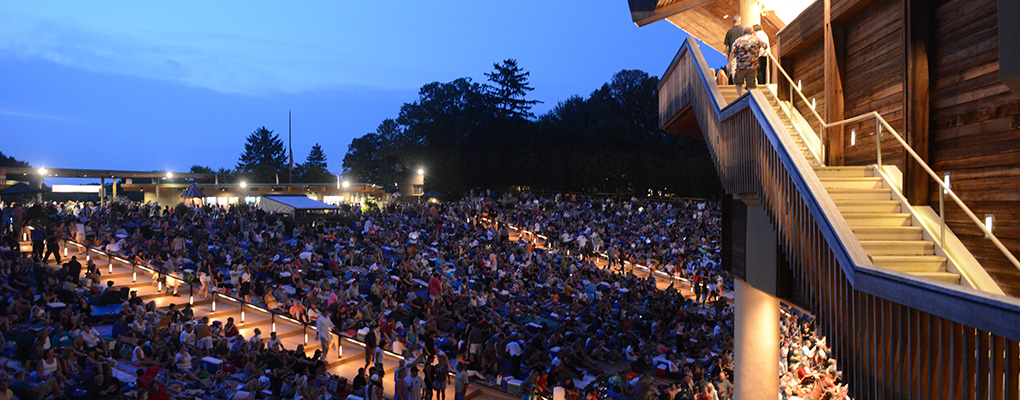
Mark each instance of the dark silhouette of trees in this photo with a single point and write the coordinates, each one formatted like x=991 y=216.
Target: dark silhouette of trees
x=264 y=157
x=9 y=161
x=468 y=135
x=509 y=90
x=314 y=169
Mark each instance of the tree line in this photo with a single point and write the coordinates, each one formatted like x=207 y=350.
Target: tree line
x=469 y=135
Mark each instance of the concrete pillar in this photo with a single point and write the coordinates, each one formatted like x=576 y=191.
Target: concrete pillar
x=102 y=191
x=115 y=188
x=755 y=343
x=750 y=12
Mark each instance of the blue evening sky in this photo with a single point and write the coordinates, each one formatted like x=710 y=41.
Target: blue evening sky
x=164 y=85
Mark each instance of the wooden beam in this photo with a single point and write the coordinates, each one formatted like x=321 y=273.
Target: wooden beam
x=917 y=101
x=833 y=82
x=645 y=18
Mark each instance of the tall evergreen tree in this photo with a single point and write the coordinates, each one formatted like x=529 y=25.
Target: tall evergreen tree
x=314 y=169
x=509 y=89
x=264 y=157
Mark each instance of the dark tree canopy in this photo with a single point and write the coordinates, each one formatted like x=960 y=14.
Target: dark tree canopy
x=314 y=169
x=468 y=135
x=509 y=90
x=264 y=158
x=9 y=161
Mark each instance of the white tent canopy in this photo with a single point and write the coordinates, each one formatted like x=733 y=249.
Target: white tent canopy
x=294 y=204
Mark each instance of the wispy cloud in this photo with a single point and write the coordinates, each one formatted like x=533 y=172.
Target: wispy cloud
x=20 y=114
x=219 y=62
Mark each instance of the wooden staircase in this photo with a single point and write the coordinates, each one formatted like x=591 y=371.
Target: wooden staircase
x=886 y=230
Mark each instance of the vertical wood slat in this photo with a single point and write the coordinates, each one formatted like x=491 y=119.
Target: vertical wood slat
x=970 y=362
x=924 y=361
x=1012 y=369
x=998 y=370
x=983 y=352
x=944 y=352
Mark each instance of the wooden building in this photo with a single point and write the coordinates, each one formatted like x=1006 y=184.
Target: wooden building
x=853 y=78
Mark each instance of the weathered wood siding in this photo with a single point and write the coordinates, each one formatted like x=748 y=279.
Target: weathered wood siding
x=975 y=130
x=806 y=68
x=873 y=80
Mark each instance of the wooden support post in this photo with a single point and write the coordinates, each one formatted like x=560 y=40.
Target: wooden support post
x=917 y=14
x=833 y=60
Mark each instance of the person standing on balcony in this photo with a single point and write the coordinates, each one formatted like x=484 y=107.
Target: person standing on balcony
x=735 y=32
x=763 y=62
x=745 y=53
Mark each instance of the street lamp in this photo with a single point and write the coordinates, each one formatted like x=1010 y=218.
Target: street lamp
x=42 y=171
x=421 y=171
x=244 y=184
x=346 y=184
x=169 y=175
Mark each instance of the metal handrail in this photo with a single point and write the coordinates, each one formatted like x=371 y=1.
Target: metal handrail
x=796 y=88
x=880 y=123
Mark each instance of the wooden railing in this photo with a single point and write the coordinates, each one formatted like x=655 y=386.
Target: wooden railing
x=894 y=335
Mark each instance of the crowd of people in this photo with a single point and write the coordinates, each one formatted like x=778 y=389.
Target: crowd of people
x=806 y=370
x=442 y=284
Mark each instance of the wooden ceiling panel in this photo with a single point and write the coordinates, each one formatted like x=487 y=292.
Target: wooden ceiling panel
x=710 y=21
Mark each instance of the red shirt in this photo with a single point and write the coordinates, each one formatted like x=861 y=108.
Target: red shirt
x=435 y=286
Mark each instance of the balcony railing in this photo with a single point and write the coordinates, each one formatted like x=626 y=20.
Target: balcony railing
x=896 y=335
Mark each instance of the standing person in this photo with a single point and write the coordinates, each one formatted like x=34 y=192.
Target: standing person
x=763 y=62
x=53 y=244
x=460 y=382
x=441 y=375
x=735 y=32
x=370 y=345
x=38 y=240
x=324 y=331
x=79 y=235
x=414 y=384
x=745 y=52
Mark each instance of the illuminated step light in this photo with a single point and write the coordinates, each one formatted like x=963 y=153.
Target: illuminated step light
x=799 y=86
x=65 y=251
x=812 y=103
x=945 y=181
x=989 y=220
x=214 y=302
x=134 y=276
x=853 y=137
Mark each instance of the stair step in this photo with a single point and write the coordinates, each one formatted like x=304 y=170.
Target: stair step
x=911 y=263
x=898 y=247
x=852 y=183
x=861 y=194
x=845 y=172
x=948 y=277
x=877 y=219
x=887 y=232
x=868 y=206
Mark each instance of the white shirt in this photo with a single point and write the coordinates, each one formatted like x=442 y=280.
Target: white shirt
x=514 y=349
x=323 y=328
x=764 y=39
x=188 y=337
